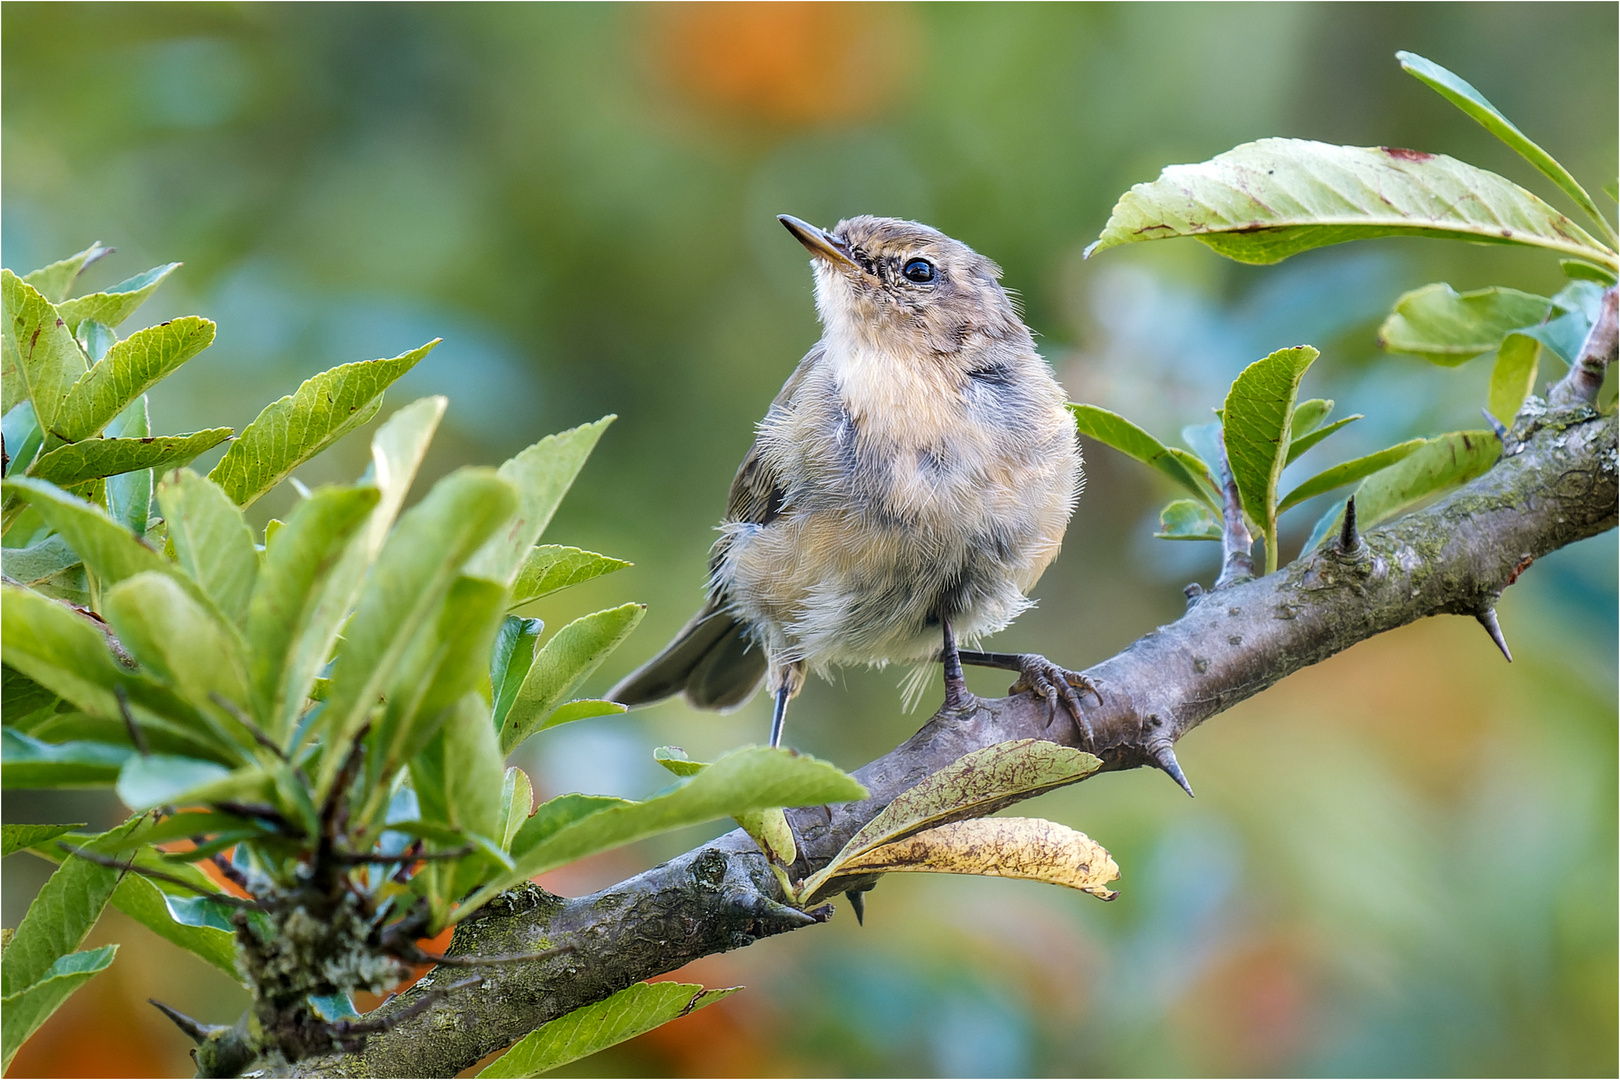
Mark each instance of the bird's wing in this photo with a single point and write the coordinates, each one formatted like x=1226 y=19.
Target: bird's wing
x=756 y=491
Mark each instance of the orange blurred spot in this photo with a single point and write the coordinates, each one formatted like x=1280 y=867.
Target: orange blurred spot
x=788 y=63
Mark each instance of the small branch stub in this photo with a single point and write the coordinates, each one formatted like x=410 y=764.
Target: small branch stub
x=1580 y=386
x=1237 y=563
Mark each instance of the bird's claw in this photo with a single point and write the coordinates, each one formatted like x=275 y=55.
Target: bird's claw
x=1038 y=675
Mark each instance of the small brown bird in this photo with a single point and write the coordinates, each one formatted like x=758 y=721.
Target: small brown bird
x=910 y=483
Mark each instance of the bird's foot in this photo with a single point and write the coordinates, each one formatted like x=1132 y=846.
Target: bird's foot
x=1038 y=675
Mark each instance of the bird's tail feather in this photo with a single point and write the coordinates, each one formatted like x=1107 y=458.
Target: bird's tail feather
x=712 y=660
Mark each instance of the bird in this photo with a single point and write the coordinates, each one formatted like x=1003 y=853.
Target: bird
x=904 y=492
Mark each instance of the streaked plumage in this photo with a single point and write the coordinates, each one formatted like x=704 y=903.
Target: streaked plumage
x=918 y=465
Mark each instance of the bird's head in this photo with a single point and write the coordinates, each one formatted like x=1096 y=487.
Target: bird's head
x=902 y=288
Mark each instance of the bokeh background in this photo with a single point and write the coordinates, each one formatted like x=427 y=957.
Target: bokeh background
x=1401 y=861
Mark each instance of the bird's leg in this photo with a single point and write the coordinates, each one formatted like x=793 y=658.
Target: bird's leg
x=1037 y=673
x=779 y=714
x=956 y=691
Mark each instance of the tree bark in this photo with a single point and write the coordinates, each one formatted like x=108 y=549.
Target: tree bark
x=1555 y=484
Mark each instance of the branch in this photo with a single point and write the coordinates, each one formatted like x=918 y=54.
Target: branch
x=1584 y=379
x=1455 y=557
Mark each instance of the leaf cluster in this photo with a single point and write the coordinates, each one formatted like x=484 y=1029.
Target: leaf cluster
x=311 y=722
x=1264 y=201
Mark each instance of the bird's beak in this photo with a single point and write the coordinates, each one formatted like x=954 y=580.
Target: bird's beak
x=822 y=245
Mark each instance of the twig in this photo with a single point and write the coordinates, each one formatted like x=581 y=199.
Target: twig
x=158 y=875
x=364 y=858
x=136 y=735
x=1236 y=561
x=246 y=721
x=1584 y=379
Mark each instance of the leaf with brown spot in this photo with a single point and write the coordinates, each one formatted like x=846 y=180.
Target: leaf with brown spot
x=1031 y=848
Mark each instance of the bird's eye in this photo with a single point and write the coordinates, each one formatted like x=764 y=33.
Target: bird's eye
x=919 y=270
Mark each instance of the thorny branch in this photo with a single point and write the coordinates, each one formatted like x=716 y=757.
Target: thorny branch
x=1556 y=484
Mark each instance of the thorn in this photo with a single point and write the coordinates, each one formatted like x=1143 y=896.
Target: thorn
x=196 y=1030
x=857 y=904
x=1496 y=426
x=1164 y=756
x=1349 y=539
x=1487 y=619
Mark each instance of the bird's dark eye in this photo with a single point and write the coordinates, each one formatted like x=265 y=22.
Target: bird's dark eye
x=919 y=270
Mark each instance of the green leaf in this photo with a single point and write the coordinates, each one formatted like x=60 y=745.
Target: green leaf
x=1447 y=327
x=23 y=436
x=1513 y=377
x=299 y=650
x=54 y=281
x=212 y=541
x=1309 y=415
x=1258 y=415
x=549 y=568
x=60 y=650
x=1188 y=519
x=130 y=368
x=1114 y=430
x=21 y=1014
x=31 y=565
x=458 y=778
x=421 y=560
x=633 y=1011
x=27 y=762
x=517 y=803
x=165 y=780
x=510 y=660
x=972 y=786
x=566 y=661
x=186 y=646
x=112 y=306
x=1581 y=270
x=1442 y=463
x=753 y=778
x=542 y=475
x=444 y=661
x=191 y=922
x=1563 y=335
x=285 y=643
x=1471 y=101
x=93 y=458
x=40 y=358
x=59 y=918
x=1301 y=443
x=129 y=495
x=1264 y=201
x=551 y=816
x=95 y=339
x=1348 y=472
x=294 y=429
x=583 y=709
x=768 y=829
x=18 y=837
x=109 y=550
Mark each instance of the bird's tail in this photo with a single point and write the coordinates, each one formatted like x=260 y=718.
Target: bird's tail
x=712 y=660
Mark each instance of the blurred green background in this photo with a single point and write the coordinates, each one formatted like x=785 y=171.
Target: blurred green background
x=1401 y=861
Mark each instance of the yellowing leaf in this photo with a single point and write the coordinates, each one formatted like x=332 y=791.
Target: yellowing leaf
x=976 y=783
x=1030 y=848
